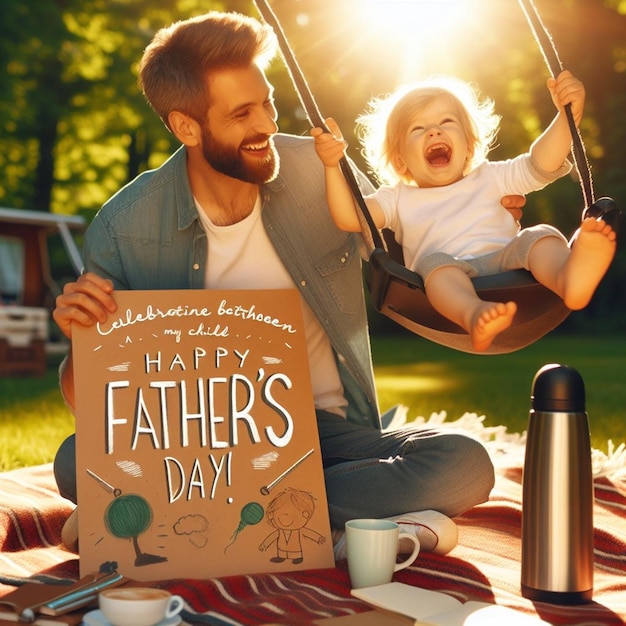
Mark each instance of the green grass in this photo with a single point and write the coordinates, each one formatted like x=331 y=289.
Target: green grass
x=409 y=370
x=430 y=378
x=33 y=419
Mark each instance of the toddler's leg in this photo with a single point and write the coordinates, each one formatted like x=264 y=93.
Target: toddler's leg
x=450 y=291
x=574 y=274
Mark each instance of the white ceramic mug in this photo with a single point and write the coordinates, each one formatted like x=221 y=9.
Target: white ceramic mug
x=138 y=606
x=372 y=549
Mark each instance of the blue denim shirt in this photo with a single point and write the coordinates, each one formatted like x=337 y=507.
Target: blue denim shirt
x=149 y=236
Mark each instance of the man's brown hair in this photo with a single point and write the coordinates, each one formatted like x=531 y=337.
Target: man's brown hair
x=175 y=66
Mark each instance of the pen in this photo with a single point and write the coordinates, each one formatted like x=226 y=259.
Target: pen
x=83 y=592
x=73 y=599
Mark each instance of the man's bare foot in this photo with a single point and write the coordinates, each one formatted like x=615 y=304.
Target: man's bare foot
x=490 y=320
x=589 y=260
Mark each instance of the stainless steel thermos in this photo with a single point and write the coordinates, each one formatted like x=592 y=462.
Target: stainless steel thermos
x=557 y=491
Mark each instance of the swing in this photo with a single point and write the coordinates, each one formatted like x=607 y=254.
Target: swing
x=398 y=293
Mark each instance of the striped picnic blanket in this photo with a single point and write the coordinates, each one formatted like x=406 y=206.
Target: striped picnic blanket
x=485 y=566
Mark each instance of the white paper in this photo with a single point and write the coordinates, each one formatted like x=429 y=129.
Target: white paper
x=408 y=600
x=440 y=609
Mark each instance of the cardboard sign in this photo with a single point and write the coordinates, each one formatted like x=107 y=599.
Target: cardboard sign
x=197 y=447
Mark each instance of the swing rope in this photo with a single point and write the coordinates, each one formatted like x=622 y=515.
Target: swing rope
x=315 y=119
x=398 y=292
x=551 y=57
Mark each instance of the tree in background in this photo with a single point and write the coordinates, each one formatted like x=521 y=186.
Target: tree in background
x=74 y=126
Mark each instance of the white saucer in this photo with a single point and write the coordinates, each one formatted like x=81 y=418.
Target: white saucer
x=95 y=618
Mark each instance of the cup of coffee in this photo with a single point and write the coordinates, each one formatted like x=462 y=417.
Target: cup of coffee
x=138 y=606
x=372 y=550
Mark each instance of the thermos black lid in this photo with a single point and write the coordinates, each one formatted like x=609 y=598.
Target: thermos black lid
x=558 y=388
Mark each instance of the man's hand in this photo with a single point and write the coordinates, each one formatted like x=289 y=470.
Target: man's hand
x=514 y=205
x=85 y=302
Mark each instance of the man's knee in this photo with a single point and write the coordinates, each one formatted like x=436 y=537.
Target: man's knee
x=475 y=466
x=460 y=464
x=65 y=468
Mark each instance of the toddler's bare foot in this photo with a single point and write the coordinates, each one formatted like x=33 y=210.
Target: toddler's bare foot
x=591 y=257
x=490 y=320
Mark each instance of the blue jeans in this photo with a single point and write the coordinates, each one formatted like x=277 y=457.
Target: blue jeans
x=369 y=473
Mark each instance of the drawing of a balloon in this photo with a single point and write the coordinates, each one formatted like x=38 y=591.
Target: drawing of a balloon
x=251 y=514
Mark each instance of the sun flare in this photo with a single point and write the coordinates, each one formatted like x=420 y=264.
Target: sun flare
x=427 y=36
x=419 y=14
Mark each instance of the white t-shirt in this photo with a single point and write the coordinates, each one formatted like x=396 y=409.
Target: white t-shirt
x=464 y=219
x=241 y=256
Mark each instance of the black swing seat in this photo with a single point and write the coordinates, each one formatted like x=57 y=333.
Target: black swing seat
x=398 y=293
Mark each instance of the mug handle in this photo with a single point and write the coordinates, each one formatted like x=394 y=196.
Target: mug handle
x=175 y=606
x=411 y=558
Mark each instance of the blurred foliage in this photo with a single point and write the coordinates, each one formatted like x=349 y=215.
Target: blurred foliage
x=74 y=126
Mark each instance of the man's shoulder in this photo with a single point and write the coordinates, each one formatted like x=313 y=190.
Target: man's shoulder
x=149 y=183
x=294 y=143
x=298 y=161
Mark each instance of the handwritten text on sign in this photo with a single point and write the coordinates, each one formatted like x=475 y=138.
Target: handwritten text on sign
x=201 y=403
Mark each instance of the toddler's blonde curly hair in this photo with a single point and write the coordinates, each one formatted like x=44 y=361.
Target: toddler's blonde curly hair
x=383 y=124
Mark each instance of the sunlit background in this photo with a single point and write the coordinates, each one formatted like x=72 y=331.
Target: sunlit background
x=73 y=126
x=351 y=50
x=413 y=38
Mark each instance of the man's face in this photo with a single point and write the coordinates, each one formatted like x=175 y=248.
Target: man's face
x=237 y=138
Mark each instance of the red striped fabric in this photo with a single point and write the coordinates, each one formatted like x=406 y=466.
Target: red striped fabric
x=484 y=566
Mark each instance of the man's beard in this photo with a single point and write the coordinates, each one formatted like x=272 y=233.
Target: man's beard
x=227 y=160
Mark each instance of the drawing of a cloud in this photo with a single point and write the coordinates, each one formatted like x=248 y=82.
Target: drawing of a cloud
x=190 y=524
x=194 y=527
